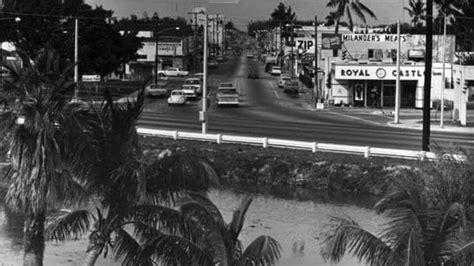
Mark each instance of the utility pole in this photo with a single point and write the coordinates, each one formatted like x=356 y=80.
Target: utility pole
x=316 y=92
x=425 y=142
x=397 y=84
x=76 y=58
x=443 y=77
x=203 y=114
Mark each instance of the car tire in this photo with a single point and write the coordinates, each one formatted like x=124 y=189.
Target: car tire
x=161 y=75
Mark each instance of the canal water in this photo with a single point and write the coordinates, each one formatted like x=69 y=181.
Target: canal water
x=296 y=218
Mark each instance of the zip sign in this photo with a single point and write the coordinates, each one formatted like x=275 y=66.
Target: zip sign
x=304 y=44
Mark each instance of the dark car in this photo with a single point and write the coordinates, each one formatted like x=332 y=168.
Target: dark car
x=291 y=86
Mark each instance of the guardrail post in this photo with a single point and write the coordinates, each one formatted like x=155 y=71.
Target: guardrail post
x=367 y=152
x=423 y=155
x=265 y=142
x=175 y=135
x=219 y=138
x=314 y=147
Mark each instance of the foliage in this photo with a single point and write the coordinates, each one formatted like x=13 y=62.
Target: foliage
x=213 y=238
x=417 y=11
x=126 y=187
x=427 y=223
x=348 y=8
x=102 y=48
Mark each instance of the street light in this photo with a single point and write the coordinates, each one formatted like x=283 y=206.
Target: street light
x=156 y=49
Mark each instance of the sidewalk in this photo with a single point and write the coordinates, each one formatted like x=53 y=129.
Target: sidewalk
x=411 y=118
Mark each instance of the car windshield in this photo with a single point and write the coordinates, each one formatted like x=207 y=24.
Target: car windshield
x=276 y=68
x=226 y=85
x=192 y=81
x=286 y=78
x=176 y=93
x=227 y=91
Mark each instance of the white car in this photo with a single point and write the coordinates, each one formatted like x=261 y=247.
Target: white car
x=276 y=70
x=172 y=72
x=177 y=97
x=158 y=89
x=194 y=83
x=282 y=79
x=227 y=96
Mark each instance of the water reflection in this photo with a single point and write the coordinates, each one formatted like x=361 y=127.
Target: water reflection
x=295 y=217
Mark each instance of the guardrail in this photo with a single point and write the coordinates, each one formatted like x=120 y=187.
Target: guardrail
x=366 y=151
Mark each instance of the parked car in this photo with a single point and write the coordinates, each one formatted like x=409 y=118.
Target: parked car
x=199 y=75
x=282 y=79
x=177 y=97
x=227 y=96
x=196 y=83
x=159 y=89
x=220 y=58
x=172 y=72
x=249 y=55
x=291 y=86
x=276 y=70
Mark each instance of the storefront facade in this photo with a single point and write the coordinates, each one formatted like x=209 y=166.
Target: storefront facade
x=366 y=73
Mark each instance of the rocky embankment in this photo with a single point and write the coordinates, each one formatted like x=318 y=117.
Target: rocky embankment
x=256 y=165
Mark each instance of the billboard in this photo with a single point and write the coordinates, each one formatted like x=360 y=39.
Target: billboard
x=331 y=41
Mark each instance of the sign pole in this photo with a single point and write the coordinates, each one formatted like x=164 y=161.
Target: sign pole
x=202 y=116
x=316 y=92
x=443 y=86
x=397 y=85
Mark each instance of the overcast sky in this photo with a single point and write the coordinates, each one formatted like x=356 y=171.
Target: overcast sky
x=387 y=11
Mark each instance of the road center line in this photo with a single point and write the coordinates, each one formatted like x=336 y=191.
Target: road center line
x=274 y=90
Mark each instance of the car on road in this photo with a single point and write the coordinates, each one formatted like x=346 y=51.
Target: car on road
x=172 y=72
x=158 y=89
x=177 y=97
x=212 y=63
x=195 y=83
x=226 y=84
x=220 y=58
x=249 y=55
x=291 y=86
x=282 y=79
x=276 y=70
x=199 y=75
x=227 y=96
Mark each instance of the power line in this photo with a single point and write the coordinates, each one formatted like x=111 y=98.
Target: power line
x=49 y=16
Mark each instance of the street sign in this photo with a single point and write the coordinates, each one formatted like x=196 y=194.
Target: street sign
x=90 y=78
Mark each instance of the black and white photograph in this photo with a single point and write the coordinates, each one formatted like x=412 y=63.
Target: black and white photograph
x=236 y=132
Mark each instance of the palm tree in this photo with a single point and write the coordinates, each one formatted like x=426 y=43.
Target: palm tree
x=124 y=185
x=331 y=18
x=213 y=238
x=347 y=8
x=416 y=10
x=35 y=126
x=416 y=234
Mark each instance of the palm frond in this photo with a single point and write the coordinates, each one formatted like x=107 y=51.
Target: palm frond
x=159 y=217
x=238 y=217
x=347 y=236
x=414 y=252
x=169 y=249
x=264 y=250
x=365 y=9
x=464 y=255
x=68 y=225
x=357 y=10
x=127 y=250
x=179 y=172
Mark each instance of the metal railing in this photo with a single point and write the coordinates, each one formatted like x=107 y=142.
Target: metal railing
x=265 y=142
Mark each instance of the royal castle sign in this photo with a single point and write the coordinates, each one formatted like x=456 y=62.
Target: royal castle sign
x=378 y=72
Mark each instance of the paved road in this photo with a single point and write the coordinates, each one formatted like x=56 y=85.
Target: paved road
x=267 y=111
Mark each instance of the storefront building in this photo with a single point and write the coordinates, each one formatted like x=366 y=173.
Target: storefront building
x=366 y=73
